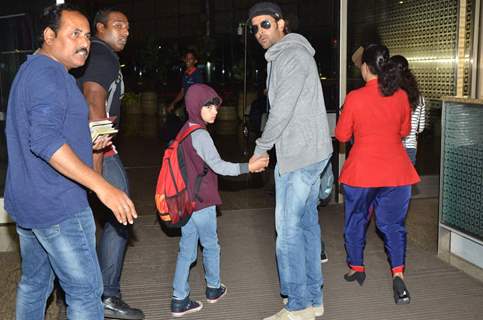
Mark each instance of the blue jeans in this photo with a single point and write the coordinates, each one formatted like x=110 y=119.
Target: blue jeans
x=114 y=237
x=201 y=226
x=298 y=235
x=68 y=251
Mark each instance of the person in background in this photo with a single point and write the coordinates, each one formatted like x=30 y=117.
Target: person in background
x=377 y=176
x=202 y=160
x=298 y=128
x=102 y=84
x=49 y=168
x=191 y=75
x=418 y=115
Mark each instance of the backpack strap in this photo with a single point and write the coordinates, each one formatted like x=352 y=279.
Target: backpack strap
x=199 y=178
x=179 y=138
x=183 y=134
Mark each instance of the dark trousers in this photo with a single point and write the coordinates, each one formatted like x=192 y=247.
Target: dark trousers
x=390 y=205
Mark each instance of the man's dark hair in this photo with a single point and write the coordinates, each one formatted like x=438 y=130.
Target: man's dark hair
x=288 y=26
x=51 y=18
x=102 y=16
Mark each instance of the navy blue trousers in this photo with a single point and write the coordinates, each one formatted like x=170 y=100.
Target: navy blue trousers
x=390 y=205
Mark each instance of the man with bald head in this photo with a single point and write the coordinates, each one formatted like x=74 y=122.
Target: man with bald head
x=102 y=84
x=50 y=158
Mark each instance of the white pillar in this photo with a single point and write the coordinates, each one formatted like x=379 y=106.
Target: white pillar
x=342 y=70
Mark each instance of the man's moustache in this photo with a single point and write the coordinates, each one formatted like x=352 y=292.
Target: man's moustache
x=82 y=50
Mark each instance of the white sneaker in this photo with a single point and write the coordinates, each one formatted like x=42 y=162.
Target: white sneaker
x=318 y=311
x=284 y=314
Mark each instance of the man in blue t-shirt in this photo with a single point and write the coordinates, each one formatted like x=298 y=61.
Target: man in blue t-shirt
x=102 y=84
x=49 y=168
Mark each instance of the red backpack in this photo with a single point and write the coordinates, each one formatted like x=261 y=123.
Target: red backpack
x=174 y=201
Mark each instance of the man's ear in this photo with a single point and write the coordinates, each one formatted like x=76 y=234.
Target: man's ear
x=100 y=27
x=49 y=35
x=281 y=25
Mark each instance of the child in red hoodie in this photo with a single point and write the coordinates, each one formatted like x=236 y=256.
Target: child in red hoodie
x=202 y=104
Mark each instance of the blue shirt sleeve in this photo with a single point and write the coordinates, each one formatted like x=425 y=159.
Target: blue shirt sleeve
x=46 y=113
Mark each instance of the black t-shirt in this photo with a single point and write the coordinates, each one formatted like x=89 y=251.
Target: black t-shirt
x=103 y=68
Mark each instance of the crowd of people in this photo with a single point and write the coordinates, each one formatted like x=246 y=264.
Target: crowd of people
x=53 y=162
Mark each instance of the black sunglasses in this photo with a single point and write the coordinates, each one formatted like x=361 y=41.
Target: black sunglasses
x=265 y=24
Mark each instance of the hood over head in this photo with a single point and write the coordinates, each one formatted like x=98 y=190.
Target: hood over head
x=197 y=96
x=289 y=40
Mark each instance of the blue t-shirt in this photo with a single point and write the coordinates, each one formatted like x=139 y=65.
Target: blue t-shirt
x=190 y=78
x=45 y=111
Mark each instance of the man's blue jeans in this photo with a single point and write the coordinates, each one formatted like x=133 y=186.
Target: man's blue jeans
x=201 y=226
x=298 y=235
x=114 y=237
x=67 y=251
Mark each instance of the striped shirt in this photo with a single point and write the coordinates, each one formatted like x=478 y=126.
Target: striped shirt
x=418 y=119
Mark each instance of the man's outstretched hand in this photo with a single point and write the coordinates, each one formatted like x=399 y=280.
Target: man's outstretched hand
x=119 y=203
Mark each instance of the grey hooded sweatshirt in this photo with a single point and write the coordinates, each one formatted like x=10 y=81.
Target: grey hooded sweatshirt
x=297 y=124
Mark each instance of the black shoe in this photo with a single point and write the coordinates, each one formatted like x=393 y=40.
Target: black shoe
x=323 y=202
x=215 y=294
x=356 y=276
x=401 y=293
x=181 y=307
x=323 y=258
x=115 y=308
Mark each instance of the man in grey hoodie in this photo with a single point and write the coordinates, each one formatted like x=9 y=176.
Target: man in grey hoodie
x=297 y=126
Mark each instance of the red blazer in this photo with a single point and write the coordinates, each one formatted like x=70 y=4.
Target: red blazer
x=377 y=123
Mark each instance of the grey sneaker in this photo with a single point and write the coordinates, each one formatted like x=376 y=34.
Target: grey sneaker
x=323 y=258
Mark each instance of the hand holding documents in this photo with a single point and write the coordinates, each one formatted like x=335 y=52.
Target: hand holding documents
x=104 y=127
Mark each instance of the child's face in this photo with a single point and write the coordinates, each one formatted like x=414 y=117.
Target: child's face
x=208 y=113
x=190 y=60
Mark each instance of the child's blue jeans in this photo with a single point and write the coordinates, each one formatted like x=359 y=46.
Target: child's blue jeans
x=202 y=227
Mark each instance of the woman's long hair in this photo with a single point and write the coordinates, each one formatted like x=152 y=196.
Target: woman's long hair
x=376 y=57
x=407 y=80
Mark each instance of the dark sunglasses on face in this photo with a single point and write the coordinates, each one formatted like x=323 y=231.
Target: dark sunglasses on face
x=265 y=24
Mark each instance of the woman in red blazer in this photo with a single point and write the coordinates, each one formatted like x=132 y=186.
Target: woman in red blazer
x=377 y=176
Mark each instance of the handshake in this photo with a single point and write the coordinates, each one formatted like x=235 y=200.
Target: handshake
x=258 y=163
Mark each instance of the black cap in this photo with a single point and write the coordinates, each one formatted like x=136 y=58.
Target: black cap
x=265 y=8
